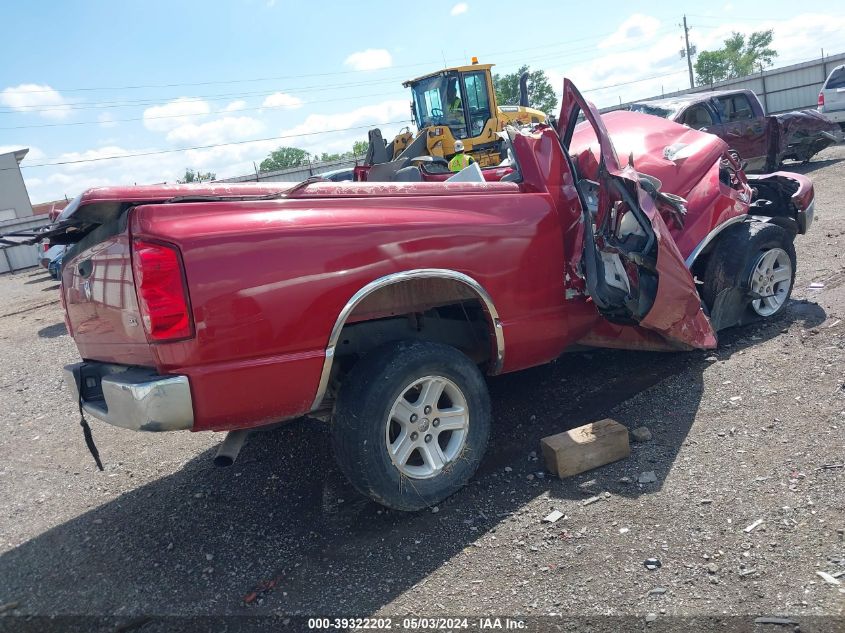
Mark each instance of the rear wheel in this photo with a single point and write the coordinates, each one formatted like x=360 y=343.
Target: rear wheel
x=411 y=424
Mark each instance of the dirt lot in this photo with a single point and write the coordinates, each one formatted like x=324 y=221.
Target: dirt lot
x=754 y=431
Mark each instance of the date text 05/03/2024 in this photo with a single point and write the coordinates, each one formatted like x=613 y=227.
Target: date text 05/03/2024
x=413 y=624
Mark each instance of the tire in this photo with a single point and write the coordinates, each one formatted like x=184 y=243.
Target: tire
x=735 y=277
x=379 y=392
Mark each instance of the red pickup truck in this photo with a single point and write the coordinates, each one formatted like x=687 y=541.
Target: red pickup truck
x=383 y=304
x=761 y=141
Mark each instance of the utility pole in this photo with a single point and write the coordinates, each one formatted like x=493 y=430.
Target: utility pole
x=689 y=53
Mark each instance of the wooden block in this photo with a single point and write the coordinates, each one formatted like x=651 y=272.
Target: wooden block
x=585 y=448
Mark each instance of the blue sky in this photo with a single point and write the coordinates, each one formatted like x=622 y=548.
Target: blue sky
x=211 y=73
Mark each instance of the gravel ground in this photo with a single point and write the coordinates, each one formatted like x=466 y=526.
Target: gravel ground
x=751 y=435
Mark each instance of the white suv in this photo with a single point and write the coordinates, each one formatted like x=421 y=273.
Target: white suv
x=832 y=96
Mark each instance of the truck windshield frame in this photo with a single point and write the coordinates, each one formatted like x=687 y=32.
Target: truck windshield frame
x=432 y=106
x=647 y=108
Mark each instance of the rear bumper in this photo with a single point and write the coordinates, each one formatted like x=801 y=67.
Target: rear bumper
x=838 y=116
x=804 y=201
x=132 y=397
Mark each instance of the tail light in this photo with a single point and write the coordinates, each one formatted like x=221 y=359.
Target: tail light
x=821 y=99
x=162 y=292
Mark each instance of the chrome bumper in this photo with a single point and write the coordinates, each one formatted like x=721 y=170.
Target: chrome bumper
x=806 y=217
x=132 y=397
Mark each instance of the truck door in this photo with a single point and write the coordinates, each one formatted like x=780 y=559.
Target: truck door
x=633 y=270
x=744 y=131
x=477 y=100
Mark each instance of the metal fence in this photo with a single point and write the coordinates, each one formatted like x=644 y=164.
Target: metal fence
x=15 y=258
x=297 y=174
x=794 y=87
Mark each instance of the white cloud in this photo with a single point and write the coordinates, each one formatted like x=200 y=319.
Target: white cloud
x=458 y=9
x=636 y=29
x=235 y=106
x=218 y=131
x=39 y=98
x=656 y=55
x=281 y=100
x=362 y=118
x=89 y=155
x=163 y=118
x=230 y=160
x=370 y=59
x=796 y=40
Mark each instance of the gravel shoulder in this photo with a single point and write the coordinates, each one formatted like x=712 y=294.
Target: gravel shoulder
x=750 y=435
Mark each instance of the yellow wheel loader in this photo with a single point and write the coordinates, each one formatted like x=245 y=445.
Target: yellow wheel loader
x=456 y=104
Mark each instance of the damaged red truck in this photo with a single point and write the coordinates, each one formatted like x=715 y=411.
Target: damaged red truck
x=381 y=305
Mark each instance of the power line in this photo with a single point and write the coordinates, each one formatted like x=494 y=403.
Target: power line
x=736 y=18
x=634 y=81
x=279 y=77
x=193 y=114
x=568 y=54
x=198 y=147
x=276 y=138
x=106 y=105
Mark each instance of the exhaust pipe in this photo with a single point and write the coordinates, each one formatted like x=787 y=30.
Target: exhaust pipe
x=523 y=89
x=229 y=448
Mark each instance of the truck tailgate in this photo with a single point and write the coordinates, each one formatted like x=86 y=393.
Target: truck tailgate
x=99 y=294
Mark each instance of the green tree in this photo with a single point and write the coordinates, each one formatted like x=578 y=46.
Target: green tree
x=541 y=95
x=283 y=158
x=196 y=176
x=737 y=58
x=359 y=148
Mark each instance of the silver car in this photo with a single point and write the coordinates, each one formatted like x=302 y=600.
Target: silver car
x=832 y=96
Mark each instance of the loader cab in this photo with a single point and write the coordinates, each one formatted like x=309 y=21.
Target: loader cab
x=461 y=99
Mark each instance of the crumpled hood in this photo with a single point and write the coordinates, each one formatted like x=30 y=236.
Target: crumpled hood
x=673 y=153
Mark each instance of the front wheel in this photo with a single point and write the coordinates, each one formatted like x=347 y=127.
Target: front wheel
x=771 y=280
x=411 y=424
x=749 y=274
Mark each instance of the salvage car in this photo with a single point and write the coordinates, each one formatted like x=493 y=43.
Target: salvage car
x=832 y=96
x=55 y=266
x=47 y=252
x=385 y=303
x=761 y=142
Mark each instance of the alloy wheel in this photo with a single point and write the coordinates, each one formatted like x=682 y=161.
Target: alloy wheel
x=427 y=427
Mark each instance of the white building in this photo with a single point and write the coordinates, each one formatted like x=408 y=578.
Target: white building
x=14 y=198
